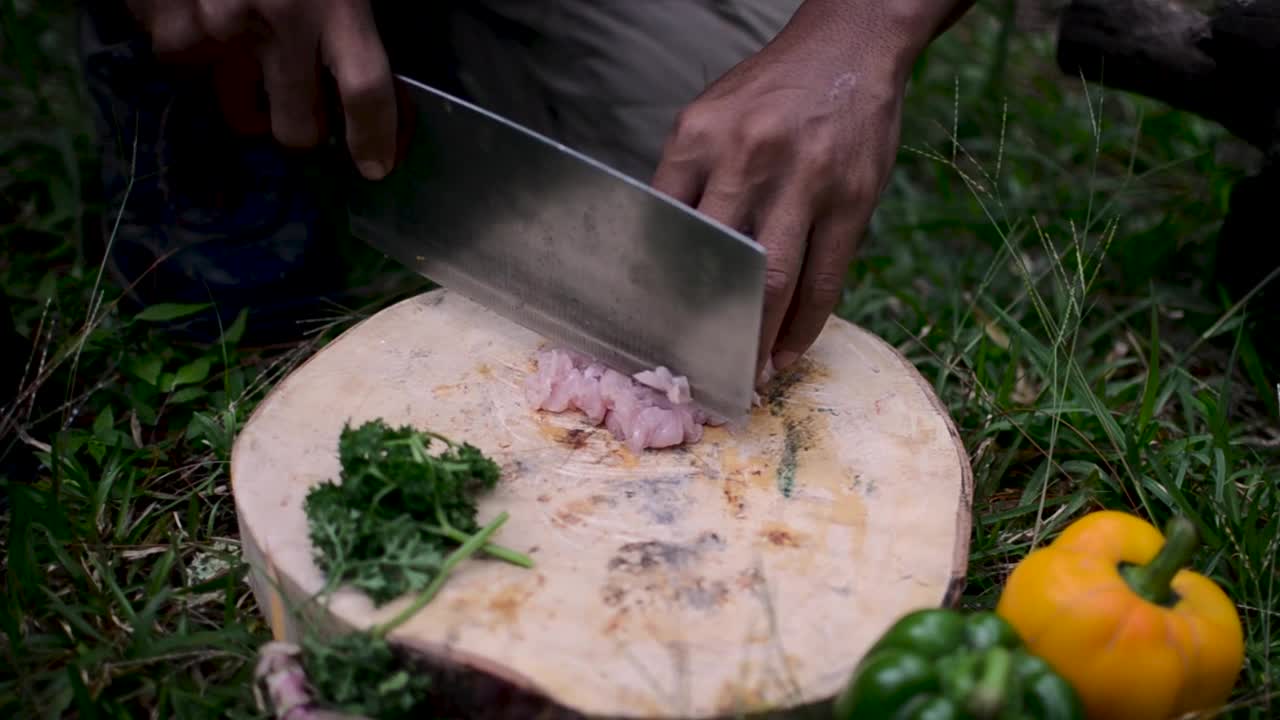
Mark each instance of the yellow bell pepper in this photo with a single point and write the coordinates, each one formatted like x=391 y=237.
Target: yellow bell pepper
x=1109 y=606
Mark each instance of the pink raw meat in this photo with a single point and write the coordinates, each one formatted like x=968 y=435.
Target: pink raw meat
x=653 y=410
x=675 y=388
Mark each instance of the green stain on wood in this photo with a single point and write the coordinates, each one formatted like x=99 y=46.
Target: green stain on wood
x=798 y=434
x=787 y=465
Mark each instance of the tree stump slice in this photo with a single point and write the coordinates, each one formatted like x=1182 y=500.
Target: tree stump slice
x=746 y=573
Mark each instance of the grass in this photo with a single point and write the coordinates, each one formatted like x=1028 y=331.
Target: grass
x=1043 y=256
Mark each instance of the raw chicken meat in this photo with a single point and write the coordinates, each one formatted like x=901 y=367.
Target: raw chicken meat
x=654 y=409
x=661 y=379
x=281 y=686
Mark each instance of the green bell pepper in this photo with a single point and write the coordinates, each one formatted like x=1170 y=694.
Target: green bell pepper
x=939 y=664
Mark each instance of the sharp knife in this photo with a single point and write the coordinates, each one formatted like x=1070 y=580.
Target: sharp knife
x=569 y=248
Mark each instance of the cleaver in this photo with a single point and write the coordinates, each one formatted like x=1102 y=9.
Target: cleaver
x=568 y=247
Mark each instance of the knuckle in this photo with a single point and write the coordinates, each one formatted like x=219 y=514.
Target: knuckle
x=176 y=36
x=365 y=82
x=692 y=125
x=299 y=133
x=762 y=130
x=173 y=44
x=277 y=12
x=218 y=17
x=724 y=192
x=820 y=156
x=854 y=189
x=825 y=288
x=776 y=283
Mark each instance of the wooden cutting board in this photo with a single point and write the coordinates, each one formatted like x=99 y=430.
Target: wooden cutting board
x=747 y=572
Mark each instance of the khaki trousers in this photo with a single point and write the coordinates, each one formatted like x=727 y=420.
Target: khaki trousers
x=605 y=77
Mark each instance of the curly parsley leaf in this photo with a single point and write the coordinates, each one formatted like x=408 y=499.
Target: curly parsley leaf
x=359 y=674
x=399 y=519
x=397 y=510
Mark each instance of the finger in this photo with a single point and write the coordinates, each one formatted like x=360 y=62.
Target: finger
x=226 y=20
x=176 y=32
x=290 y=74
x=784 y=233
x=237 y=77
x=727 y=198
x=237 y=80
x=685 y=163
x=820 y=285
x=679 y=178
x=352 y=49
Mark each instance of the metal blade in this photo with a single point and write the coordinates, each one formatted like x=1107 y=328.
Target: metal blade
x=569 y=248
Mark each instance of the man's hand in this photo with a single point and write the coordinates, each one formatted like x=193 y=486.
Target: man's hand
x=285 y=46
x=794 y=146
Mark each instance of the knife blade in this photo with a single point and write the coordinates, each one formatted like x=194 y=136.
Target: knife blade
x=568 y=247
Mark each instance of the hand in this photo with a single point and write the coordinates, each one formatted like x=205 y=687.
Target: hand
x=793 y=147
x=285 y=46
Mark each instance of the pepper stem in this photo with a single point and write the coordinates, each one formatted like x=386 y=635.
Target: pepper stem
x=989 y=695
x=1152 y=581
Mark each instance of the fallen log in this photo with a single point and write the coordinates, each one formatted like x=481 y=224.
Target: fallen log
x=1206 y=64
x=1248 y=252
x=1199 y=63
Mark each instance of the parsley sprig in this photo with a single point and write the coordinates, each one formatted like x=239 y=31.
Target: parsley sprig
x=361 y=674
x=391 y=522
x=398 y=520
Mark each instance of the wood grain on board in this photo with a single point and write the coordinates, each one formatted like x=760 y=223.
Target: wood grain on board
x=746 y=572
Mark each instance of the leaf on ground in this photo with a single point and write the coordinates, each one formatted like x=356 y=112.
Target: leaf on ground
x=187 y=394
x=193 y=372
x=165 y=312
x=103 y=424
x=147 y=368
x=235 y=331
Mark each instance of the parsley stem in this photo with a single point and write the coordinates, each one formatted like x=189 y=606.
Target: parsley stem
x=443 y=519
x=464 y=551
x=493 y=549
